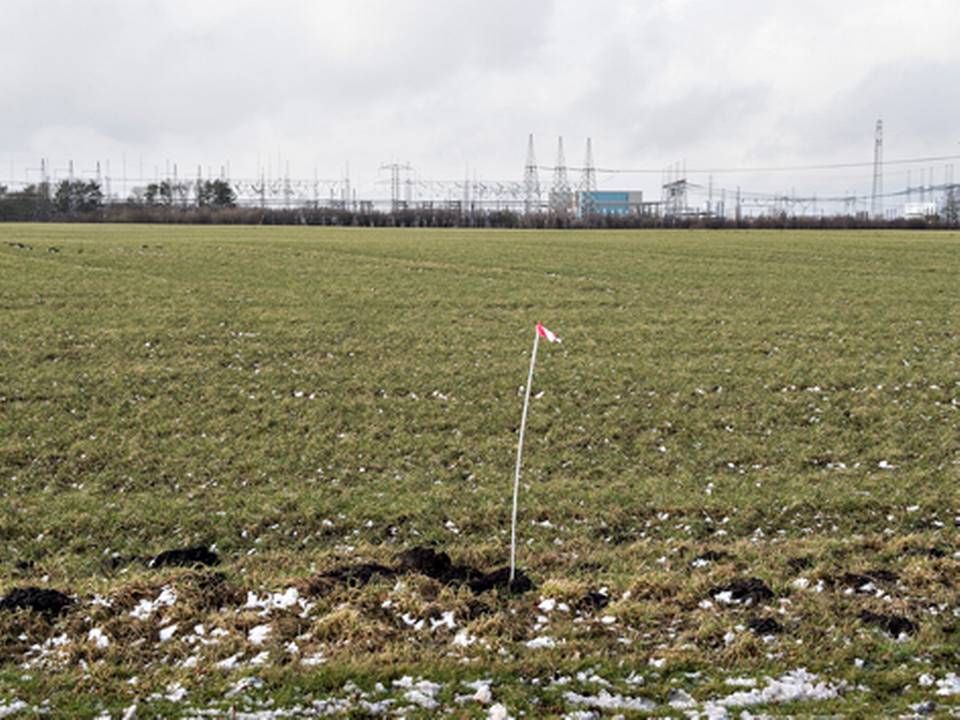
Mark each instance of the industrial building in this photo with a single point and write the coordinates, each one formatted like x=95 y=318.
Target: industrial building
x=612 y=202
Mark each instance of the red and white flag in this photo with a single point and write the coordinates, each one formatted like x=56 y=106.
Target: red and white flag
x=544 y=333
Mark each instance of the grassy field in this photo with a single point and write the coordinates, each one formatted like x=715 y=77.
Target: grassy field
x=779 y=408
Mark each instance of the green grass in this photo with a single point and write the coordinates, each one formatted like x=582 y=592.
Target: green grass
x=308 y=397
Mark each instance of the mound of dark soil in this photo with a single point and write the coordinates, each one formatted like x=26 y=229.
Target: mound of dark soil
x=213 y=590
x=764 y=626
x=185 y=557
x=592 y=601
x=42 y=600
x=857 y=581
x=429 y=562
x=426 y=561
x=895 y=625
x=931 y=552
x=500 y=580
x=750 y=591
x=437 y=565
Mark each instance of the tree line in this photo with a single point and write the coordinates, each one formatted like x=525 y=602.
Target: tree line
x=84 y=200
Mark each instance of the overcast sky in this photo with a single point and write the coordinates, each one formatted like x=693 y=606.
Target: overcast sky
x=452 y=84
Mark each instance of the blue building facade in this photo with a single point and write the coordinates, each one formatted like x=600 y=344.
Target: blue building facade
x=611 y=202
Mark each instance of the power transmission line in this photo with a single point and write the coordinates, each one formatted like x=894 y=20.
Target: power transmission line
x=782 y=168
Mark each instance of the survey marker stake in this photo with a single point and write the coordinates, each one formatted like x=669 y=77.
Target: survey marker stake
x=541 y=332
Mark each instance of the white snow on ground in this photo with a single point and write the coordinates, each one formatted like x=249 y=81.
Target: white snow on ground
x=98 y=638
x=608 y=701
x=52 y=649
x=230 y=663
x=498 y=712
x=289 y=598
x=741 y=682
x=258 y=635
x=168 y=632
x=242 y=685
x=793 y=686
x=446 y=620
x=680 y=700
x=13 y=708
x=419 y=692
x=146 y=608
x=950 y=685
x=464 y=639
x=544 y=641
x=175 y=692
x=313 y=660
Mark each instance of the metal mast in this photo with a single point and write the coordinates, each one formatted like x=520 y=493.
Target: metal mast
x=588 y=184
x=560 y=194
x=876 y=196
x=531 y=181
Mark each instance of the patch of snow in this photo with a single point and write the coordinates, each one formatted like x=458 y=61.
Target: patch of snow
x=175 y=692
x=258 y=635
x=544 y=641
x=285 y=600
x=547 y=605
x=260 y=658
x=950 y=685
x=498 y=712
x=680 y=700
x=242 y=685
x=793 y=686
x=98 y=638
x=229 y=663
x=6 y=710
x=483 y=695
x=608 y=701
x=464 y=639
x=634 y=679
x=168 y=632
x=446 y=620
x=146 y=608
x=420 y=692
x=411 y=621
x=313 y=660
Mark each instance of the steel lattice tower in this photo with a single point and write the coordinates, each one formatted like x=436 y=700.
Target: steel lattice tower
x=588 y=184
x=876 y=196
x=560 y=194
x=531 y=181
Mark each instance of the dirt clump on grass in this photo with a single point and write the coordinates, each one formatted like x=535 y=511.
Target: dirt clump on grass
x=764 y=626
x=43 y=600
x=894 y=625
x=749 y=591
x=426 y=561
x=185 y=557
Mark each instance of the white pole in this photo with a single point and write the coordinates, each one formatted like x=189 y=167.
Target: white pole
x=516 y=476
